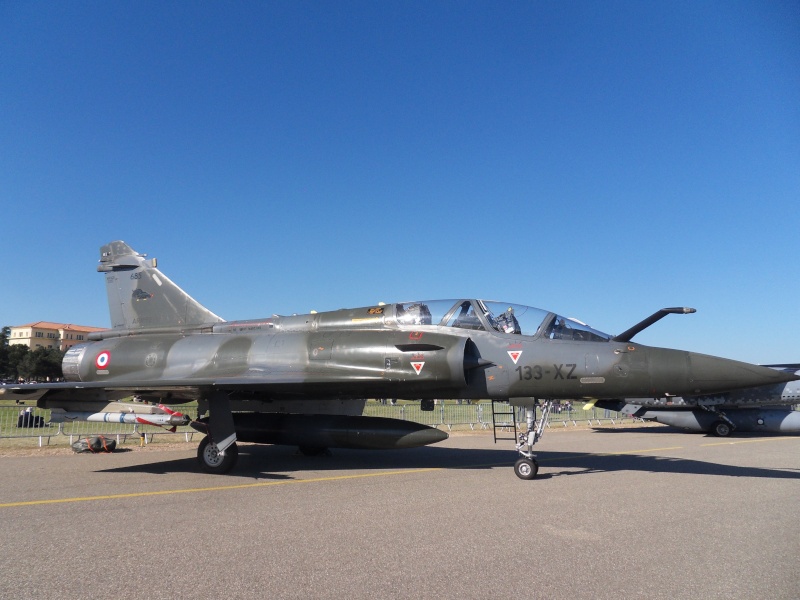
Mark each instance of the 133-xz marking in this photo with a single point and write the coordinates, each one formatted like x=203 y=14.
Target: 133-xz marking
x=536 y=372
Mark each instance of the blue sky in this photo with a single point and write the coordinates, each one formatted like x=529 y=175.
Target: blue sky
x=599 y=159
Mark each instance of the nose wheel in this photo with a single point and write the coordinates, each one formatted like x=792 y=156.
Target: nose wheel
x=526 y=468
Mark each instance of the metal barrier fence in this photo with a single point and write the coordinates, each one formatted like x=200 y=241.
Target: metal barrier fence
x=14 y=425
x=480 y=415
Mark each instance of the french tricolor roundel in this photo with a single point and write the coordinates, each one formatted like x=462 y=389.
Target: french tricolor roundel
x=418 y=366
x=515 y=354
x=102 y=360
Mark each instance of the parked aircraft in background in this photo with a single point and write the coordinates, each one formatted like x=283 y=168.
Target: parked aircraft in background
x=765 y=409
x=303 y=379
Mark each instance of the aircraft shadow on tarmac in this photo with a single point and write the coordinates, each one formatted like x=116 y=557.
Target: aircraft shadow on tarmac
x=281 y=463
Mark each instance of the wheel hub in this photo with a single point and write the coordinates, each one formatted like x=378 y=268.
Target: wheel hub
x=212 y=455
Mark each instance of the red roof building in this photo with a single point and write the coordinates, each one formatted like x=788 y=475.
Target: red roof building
x=44 y=334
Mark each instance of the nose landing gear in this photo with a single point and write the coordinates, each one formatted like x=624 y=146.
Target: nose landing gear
x=527 y=466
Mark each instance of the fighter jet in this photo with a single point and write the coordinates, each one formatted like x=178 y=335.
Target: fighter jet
x=765 y=409
x=304 y=379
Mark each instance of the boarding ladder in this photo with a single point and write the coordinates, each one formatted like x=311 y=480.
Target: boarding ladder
x=503 y=418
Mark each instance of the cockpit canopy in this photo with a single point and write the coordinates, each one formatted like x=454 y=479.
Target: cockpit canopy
x=501 y=317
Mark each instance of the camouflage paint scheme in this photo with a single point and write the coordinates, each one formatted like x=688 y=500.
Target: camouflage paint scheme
x=164 y=346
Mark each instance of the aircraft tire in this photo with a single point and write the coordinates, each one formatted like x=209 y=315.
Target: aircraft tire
x=720 y=429
x=525 y=468
x=214 y=462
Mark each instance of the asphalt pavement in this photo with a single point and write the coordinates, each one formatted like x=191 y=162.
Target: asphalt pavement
x=614 y=513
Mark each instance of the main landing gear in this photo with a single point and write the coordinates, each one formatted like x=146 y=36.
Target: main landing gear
x=217 y=452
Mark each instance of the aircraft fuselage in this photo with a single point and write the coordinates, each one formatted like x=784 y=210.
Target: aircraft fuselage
x=369 y=352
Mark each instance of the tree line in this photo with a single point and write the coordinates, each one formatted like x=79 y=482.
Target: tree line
x=19 y=362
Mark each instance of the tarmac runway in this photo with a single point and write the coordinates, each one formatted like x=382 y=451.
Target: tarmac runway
x=614 y=513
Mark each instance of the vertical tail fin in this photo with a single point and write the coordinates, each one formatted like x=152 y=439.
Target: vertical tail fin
x=140 y=296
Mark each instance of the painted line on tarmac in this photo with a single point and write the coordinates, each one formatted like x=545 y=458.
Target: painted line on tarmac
x=239 y=486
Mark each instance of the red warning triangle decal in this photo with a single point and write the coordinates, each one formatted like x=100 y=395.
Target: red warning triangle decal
x=418 y=366
x=514 y=354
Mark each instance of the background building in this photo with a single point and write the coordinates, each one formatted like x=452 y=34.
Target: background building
x=44 y=334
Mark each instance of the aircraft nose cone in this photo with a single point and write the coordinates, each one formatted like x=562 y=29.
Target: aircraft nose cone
x=713 y=374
